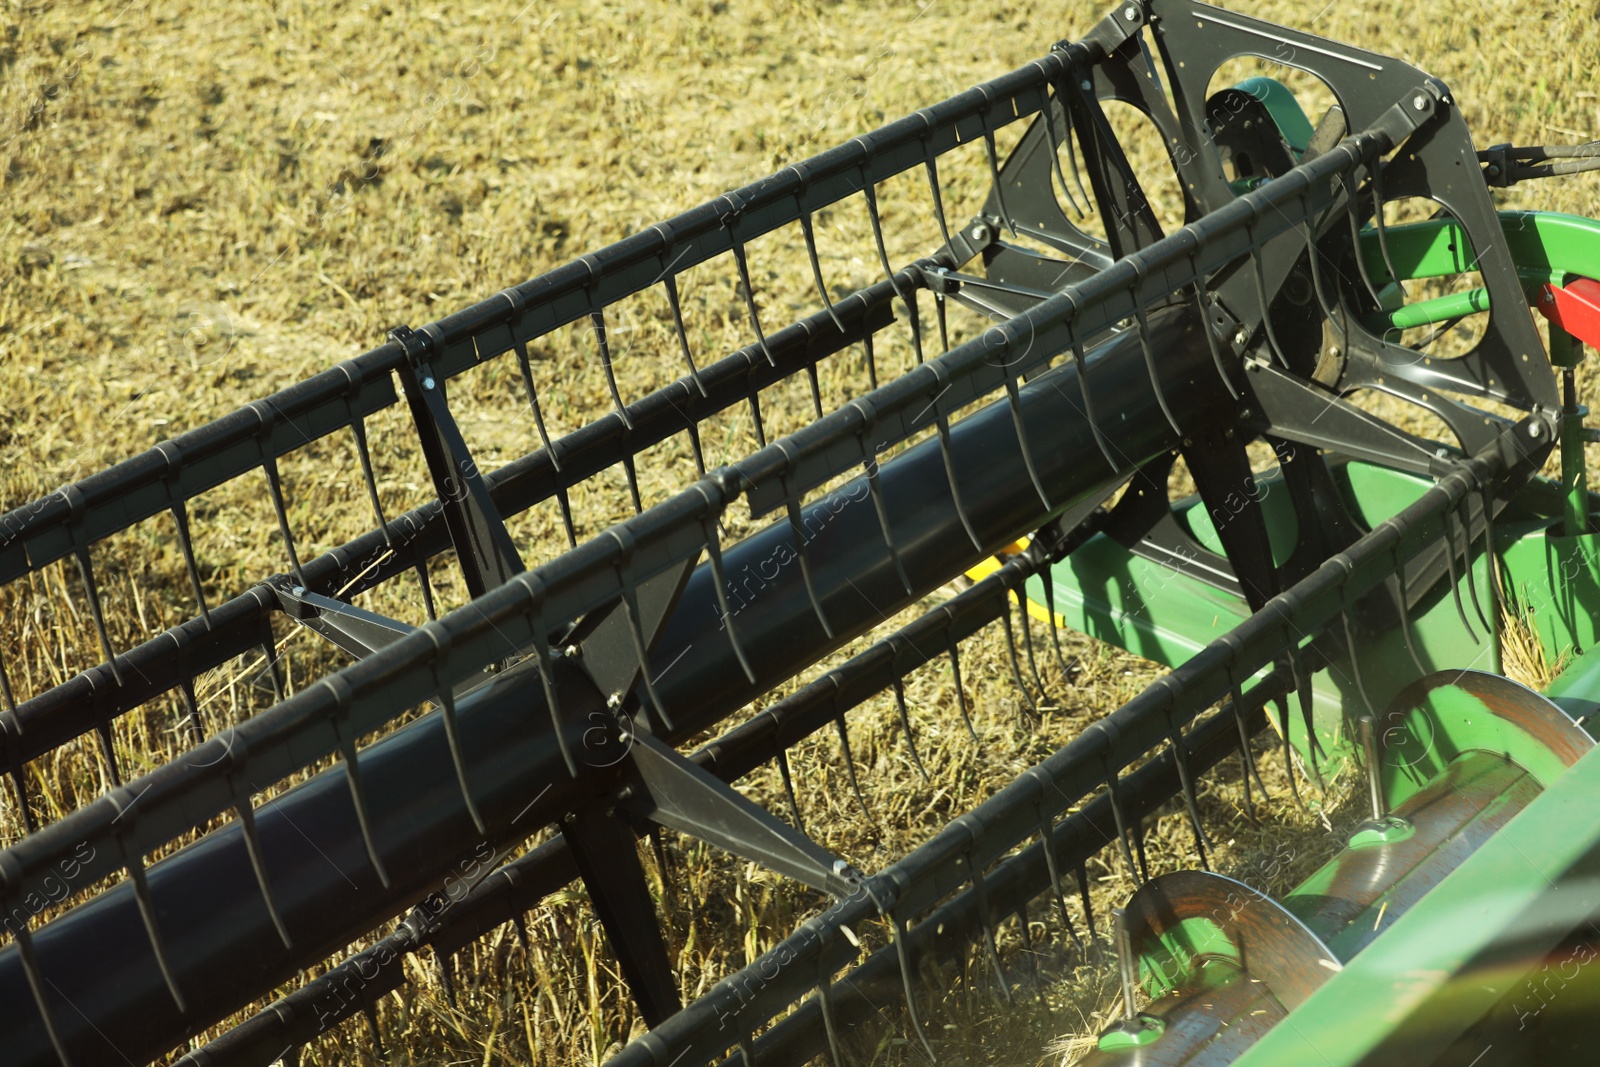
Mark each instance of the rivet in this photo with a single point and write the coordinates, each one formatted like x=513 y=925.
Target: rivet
x=1130 y=14
x=1419 y=102
x=427 y=383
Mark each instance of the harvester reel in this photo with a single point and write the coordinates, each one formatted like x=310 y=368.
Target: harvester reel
x=1346 y=604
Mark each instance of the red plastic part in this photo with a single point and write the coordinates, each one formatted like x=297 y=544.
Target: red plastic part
x=1575 y=308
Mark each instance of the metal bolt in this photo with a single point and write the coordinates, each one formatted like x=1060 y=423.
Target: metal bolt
x=1419 y=102
x=614 y=700
x=1130 y=14
x=1086 y=85
x=1442 y=453
x=298 y=590
x=1241 y=337
x=625 y=793
x=1333 y=351
x=572 y=652
x=1227 y=434
x=1249 y=124
x=1535 y=429
x=427 y=383
x=980 y=234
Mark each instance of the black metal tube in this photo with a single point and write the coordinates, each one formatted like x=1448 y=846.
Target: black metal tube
x=217 y=933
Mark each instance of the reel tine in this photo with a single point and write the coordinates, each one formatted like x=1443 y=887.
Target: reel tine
x=1497 y=592
x=370 y=1012
x=1011 y=655
x=670 y=284
x=14 y=769
x=1466 y=561
x=180 y=515
x=1352 y=202
x=269 y=464
x=730 y=222
x=1455 y=580
x=258 y=863
x=871 y=194
x=630 y=605
x=1257 y=262
x=825 y=1001
x=695 y=448
x=949 y=458
x=108 y=752
x=447 y=978
x=1083 y=383
x=881 y=506
x=788 y=787
x=1302 y=688
x=905 y=724
x=452 y=733
x=755 y=415
x=903 y=954
x=543 y=659
x=1375 y=180
x=981 y=895
x=1191 y=800
x=1047 y=837
x=134 y=862
x=850 y=766
x=1121 y=822
x=930 y=164
x=797 y=529
x=816 y=388
x=1048 y=118
x=1014 y=400
x=809 y=231
x=870 y=360
x=562 y=499
x=708 y=527
x=1072 y=154
x=269 y=652
x=1350 y=636
x=1142 y=327
x=630 y=466
x=352 y=774
x=1288 y=751
x=1082 y=875
x=8 y=700
x=1236 y=700
x=1405 y=613
x=1047 y=579
x=602 y=344
x=961 y=693
x=658 y=848
x=92 y=589
x=1203 y=308
x=1027 y=644
x=36 y=981
x=994 y=165
x=941 y=317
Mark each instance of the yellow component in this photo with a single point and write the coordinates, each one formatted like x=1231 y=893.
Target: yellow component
x=982 y=570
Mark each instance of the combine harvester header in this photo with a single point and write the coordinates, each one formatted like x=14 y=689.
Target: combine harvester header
x=1348 y=597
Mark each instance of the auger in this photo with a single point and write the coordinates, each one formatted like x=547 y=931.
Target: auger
x=1344 y=597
